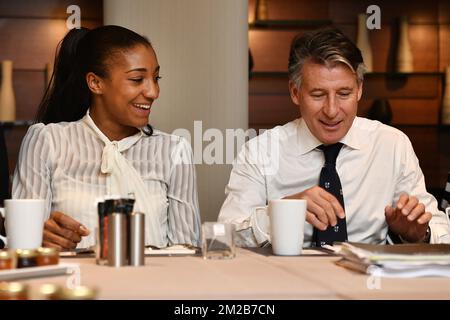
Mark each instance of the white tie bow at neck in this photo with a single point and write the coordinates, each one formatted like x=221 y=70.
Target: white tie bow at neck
x=123 y=179
x=109 y=156
x=118 y=169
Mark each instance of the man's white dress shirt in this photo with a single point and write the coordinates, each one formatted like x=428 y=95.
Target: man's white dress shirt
x=376 y=163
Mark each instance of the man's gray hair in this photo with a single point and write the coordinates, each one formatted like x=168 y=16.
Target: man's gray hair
x=325 y=46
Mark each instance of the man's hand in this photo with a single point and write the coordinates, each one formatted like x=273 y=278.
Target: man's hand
x=409 y=219
x=322 y=207
x=63 y=232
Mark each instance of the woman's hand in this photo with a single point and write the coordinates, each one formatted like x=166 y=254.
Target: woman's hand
x=62 y=232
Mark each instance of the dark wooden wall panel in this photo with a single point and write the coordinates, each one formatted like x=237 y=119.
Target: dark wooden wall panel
x=30 y=85
x=271 y=110
x=444 y=46
x=270 y=49
x=424 y=41
x=14 y=138
x=415 y=111
x=383 y=48
x=292 y=9
x=399 y=86
x=363 y=106
x=431 y=147
x=31 y=43
x=55 y=9
x=444 y=11
x=260 y=85
x=34 y=41
x=344 y=11
x=295 y=10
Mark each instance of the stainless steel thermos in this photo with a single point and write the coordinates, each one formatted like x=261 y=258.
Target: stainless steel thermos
x=137 y=239
x=120 y=236
x=117 y=240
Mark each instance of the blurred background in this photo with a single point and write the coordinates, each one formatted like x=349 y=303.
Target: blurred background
x=225 y=63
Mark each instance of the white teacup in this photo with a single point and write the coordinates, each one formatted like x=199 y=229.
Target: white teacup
x=287 y=220
x=24 y=222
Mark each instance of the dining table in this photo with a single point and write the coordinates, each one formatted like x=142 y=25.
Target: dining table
x=252 y=274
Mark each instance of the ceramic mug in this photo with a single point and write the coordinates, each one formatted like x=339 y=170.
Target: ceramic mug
x=24 y=222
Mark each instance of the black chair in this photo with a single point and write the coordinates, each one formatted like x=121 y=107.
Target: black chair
x=4 y=178
x=445 y=203
x=4 y=169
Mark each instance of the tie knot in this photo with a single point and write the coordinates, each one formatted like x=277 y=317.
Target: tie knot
x=331 y=152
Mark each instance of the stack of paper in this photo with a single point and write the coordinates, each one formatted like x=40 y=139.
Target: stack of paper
x=401 y=261
x=178 y=249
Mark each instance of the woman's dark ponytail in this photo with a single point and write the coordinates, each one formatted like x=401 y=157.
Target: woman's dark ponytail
x=67 y=96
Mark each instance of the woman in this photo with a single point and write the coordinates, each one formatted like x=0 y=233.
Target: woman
x=93 y=139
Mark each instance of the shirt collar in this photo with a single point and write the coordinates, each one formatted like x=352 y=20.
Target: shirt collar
x=122 y=145
x=308 y=142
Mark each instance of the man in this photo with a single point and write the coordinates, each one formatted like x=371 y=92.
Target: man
x=359 y=177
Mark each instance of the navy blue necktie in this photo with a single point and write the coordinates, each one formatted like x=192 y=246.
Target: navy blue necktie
x=329 y=180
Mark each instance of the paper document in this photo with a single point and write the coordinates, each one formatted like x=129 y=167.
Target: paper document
x=172 y=250
x=403 y=260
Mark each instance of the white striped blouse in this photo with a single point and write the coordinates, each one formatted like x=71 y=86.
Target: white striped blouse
x=61 y=163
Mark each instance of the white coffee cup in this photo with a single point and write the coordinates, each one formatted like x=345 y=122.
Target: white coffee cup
x=24 y=222
x=287 y=220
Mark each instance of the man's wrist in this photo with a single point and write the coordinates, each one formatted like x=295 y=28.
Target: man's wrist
x=426 y=238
